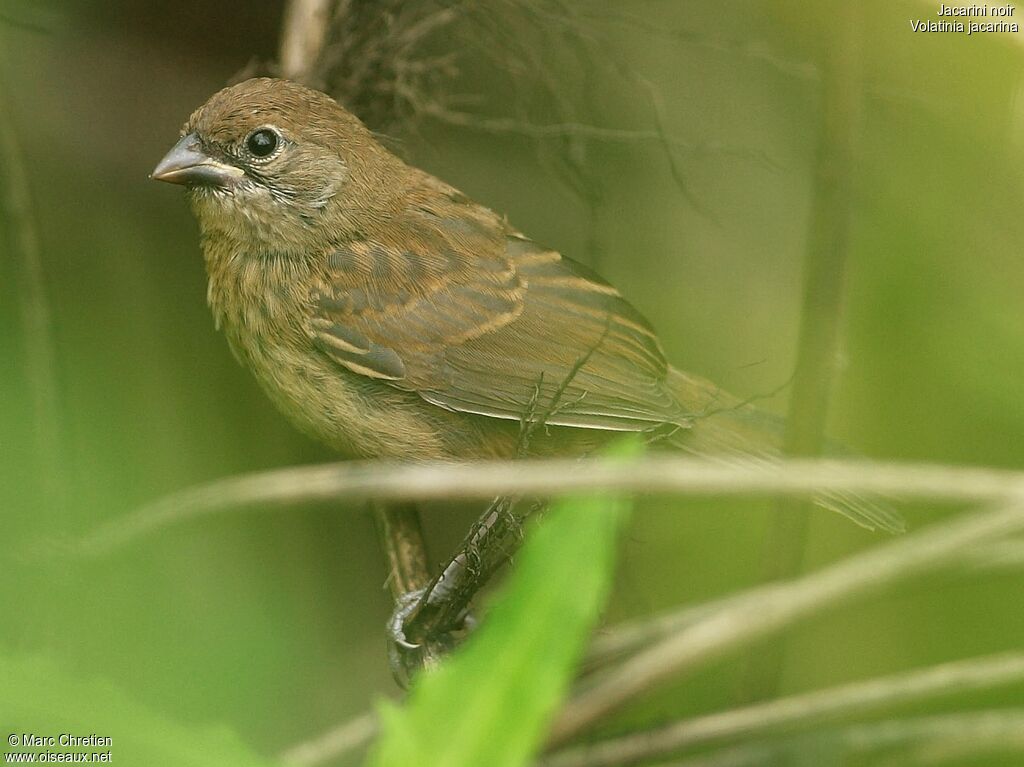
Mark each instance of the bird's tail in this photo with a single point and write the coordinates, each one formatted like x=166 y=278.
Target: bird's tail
x=728 y=428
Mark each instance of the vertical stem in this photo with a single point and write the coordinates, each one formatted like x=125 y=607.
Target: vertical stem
x=22 y=239
x=303 y=33
x=828 y=245
x=401 y=538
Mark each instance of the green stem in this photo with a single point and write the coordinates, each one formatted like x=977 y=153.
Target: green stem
x=20 y=233
x=820 y=324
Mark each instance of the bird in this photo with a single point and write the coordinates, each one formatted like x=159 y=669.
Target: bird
x=388 y=315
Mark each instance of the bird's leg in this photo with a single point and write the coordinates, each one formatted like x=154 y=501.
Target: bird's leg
x=432 y=616
x=408 y=576
x=443 y=608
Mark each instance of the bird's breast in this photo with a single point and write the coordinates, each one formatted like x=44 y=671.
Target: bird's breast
x=256 y=298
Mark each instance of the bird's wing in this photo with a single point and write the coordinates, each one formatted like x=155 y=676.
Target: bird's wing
x=477 y=319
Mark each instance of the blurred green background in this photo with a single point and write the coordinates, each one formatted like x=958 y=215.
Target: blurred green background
x=271 y=622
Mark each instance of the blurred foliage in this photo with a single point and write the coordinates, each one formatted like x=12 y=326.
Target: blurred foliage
x=41 y=699
x=271 y=623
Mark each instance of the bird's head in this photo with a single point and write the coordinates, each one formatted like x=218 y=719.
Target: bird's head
x=272 y=163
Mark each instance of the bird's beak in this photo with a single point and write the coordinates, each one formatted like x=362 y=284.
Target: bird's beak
x=187 y=164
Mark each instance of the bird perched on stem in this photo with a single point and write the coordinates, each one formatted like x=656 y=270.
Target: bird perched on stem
x=388 y=315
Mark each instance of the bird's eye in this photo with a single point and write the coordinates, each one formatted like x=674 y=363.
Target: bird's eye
x=262 y=142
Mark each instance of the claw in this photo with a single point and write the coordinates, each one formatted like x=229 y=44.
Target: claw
x=396 y=625
x=407 y=657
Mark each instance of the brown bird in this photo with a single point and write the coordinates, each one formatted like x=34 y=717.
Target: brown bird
x=388 y=315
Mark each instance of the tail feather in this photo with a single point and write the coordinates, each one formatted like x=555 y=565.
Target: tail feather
x=734 y=430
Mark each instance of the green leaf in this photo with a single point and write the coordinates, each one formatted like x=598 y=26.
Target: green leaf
x=38 y=698
x=491 y=703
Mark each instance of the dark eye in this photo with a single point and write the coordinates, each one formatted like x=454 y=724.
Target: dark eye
x=262 y=142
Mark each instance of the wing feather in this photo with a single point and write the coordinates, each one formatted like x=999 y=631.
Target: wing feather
x=478 y=319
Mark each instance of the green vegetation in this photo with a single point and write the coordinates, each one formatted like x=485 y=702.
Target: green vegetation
x=230 y=638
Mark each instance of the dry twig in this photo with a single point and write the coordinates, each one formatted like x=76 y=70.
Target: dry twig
x=303 y=34
x=798 y=711
x=923 y=740
x=769 y=608
x=483 y=480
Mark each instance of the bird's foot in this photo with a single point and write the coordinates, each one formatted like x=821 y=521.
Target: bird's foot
x=408 y=650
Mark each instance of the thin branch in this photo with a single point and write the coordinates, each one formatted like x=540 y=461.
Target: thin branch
x=483 y=480
x=768 y=609
x=516 y=127
x=401 y=536
x=303 y=34
x=780 y=716
x=931 y=548
x=614 y=642
x=935 y=739
x=752 y=617
x=799 y=711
